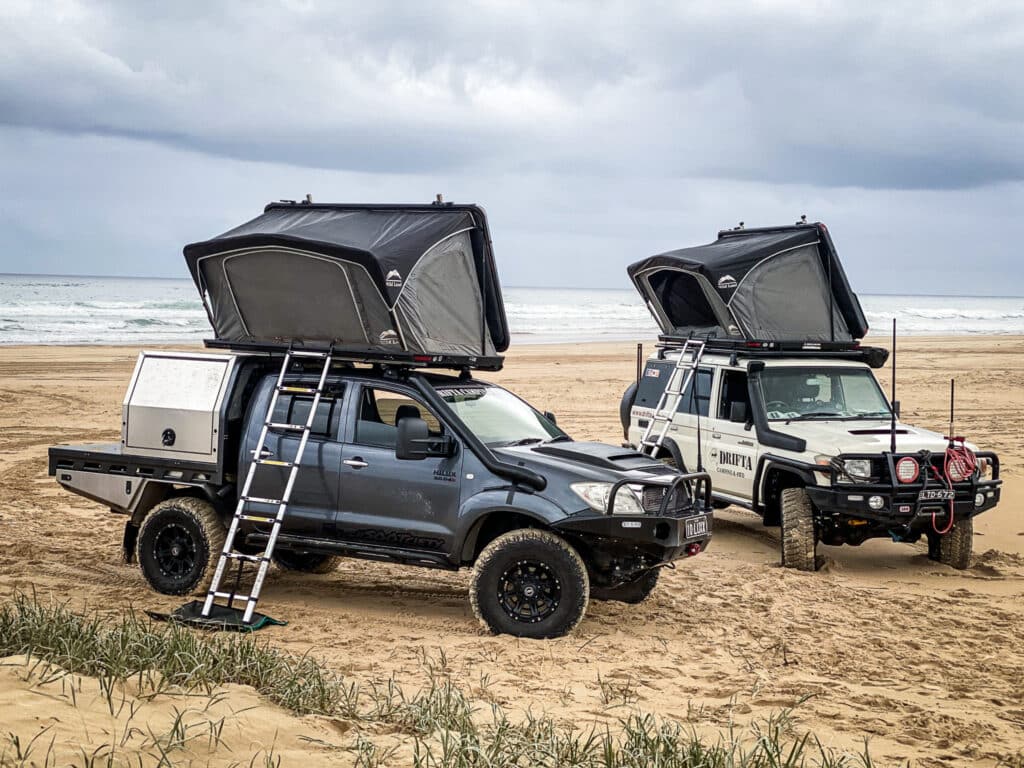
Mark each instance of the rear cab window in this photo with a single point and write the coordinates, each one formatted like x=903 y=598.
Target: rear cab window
x=294 y=409
x=655 y=378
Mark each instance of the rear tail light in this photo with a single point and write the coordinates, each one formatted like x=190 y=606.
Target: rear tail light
x=907 y=470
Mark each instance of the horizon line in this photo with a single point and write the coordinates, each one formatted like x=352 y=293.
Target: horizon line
x=524 y=287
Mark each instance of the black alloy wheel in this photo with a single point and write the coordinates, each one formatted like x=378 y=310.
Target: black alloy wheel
x=529 y=591
x=174 y=550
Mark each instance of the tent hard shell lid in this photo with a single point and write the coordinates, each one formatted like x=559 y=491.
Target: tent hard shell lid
x=779 y=284
x=390 y=281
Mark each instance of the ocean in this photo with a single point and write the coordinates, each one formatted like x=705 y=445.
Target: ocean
x=37 y=309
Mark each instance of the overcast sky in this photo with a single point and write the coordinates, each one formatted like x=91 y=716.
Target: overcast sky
x=594 y=133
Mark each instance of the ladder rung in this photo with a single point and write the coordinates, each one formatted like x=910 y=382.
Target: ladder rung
x=259 y=518
x=242 y=556
x=299 y=353
x=298 y=390
x=231 y=596
x=290 y=427
x=258 y=500
x=276 y=462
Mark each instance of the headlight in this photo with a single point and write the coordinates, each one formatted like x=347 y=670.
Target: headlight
x=858 y=469
x=984 y=469
x=596 y=496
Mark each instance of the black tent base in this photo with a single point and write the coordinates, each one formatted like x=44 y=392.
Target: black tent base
x=221 y=618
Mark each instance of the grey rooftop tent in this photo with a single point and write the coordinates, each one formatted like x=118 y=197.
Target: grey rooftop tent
x=779 y=284
x=416 y=280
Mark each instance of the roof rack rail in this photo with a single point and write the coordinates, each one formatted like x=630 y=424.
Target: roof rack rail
x=875 y=357
x=367 y=355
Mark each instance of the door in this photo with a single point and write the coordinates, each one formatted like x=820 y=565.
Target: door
x=314 y=500
x=732 y=453
x=693 y=409
x=387 y=501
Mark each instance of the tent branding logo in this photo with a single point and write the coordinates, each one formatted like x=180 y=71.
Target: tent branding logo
x=727 y=281
x=393 y=279
x=389 y=337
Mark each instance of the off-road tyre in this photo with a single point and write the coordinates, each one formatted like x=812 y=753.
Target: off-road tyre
x=799 y=542
x=533 y=559
x=632 y=592
x=305 y=562
x=954 y=548
x=179 y=543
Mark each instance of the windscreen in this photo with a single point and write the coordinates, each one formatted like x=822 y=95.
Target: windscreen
x=497 y=417
x=796 y=394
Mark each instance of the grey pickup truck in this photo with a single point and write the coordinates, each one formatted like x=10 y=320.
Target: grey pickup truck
x=402 y=466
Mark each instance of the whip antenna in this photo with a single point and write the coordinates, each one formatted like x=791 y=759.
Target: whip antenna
x=892 y=408
x=952 y=398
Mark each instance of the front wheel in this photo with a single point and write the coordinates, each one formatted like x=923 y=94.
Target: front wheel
x=799 y=541
x=953 y=548
x=632 y=592
x=529 y=583
x=179 y=544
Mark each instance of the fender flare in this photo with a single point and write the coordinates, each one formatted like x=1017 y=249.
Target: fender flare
x=626 y=408
x=768 y=462
x=484 y=506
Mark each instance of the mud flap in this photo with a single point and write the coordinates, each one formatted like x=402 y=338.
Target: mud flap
x=221 y=618
x=131 y=536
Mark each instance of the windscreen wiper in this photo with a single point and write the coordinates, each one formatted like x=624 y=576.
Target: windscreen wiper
x=815 y=415
x=525 y=441
x=559 y=439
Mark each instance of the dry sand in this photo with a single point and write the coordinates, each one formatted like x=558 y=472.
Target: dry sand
x=925 y=661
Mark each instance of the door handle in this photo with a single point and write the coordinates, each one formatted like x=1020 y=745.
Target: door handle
x=355 y=463
x=716 y=435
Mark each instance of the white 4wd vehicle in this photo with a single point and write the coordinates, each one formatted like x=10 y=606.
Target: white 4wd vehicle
x=805 y=442
x=781 y=406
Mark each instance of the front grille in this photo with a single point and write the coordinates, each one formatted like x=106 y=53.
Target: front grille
x=654 y=495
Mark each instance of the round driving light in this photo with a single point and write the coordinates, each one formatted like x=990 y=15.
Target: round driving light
x=907 y=470
x=958 y=469
x=876 y=502
x=979 y=499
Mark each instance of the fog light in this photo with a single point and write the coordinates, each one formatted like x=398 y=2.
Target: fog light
x=876 y=502
x=979 y=499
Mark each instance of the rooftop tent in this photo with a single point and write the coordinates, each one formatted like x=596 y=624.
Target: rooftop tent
x=777 y=284
x=416 y=279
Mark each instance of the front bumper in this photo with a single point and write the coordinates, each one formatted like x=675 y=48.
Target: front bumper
x=901 y=504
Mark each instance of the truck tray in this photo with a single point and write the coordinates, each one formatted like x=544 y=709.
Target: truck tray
x=112 y=459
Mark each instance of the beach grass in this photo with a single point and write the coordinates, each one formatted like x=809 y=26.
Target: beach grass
x=441 y=726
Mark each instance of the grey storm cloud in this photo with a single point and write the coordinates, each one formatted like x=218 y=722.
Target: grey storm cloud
x=893 y=96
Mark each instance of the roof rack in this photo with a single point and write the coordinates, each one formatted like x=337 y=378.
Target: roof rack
x=367 y=355
x=875 y=357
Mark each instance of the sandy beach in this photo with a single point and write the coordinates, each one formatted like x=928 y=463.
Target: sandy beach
x=925 y=662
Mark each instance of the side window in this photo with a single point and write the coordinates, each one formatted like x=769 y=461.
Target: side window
x=733 y=390
x=380 y=410
x=294 y=409
x=655 y=379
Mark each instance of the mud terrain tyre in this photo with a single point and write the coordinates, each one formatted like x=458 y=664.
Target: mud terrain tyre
x=632 y=592
x=529 y=583
x=179 y=544
x=954 y=548
x=305 y=562
x=799 y=542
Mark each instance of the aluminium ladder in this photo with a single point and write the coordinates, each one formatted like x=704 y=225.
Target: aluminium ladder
x=679 y=380
x=229 y=552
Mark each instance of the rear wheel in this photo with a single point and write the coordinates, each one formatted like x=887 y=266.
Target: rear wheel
x=305 y=562
x=799 y=541
x=631 y=592
x=179 y=544
x=529 y=583
x=953 y=548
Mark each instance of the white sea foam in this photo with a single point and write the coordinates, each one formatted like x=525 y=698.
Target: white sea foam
x=102 y=310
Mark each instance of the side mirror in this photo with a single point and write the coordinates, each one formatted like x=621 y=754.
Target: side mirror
x=896 y=408
x=738 y=412
x=414 y=442
x=550 y=417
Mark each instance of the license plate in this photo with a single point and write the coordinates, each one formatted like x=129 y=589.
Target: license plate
x=936 y=494
x=698 y=526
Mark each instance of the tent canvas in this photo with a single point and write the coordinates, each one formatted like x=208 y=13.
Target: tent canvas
x=781 y=284
x=417 y=279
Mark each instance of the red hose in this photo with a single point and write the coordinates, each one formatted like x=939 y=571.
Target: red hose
x=967 y=462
